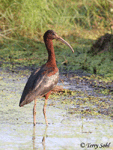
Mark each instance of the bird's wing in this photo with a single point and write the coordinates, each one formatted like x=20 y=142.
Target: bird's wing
x=35 y=77
x=38 y=84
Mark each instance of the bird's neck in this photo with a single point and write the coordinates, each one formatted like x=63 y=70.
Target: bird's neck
x=51 y=54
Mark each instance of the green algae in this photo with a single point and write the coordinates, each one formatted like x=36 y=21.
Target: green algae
x=9 y=85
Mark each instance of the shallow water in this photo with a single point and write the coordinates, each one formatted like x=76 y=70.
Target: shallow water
x=66 y=131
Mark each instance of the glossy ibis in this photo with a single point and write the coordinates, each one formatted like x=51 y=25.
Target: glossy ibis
x=43 y=80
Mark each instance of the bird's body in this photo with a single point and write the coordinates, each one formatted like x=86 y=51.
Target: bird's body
x=43 y=80
x=39 y=84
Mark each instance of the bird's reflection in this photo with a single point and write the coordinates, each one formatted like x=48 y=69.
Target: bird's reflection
x=43 y=139
x=33 y=138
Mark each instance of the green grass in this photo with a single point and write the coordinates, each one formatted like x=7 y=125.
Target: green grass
x=33 y=18
x=23 y=23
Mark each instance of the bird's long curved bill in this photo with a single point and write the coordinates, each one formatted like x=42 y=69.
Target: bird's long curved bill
x=61 y=39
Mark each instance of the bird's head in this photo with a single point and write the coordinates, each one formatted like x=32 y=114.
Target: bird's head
x=50 y=34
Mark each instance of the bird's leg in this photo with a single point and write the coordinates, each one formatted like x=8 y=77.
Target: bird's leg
x=44 y=111
x=44 y=108
x=34 y=112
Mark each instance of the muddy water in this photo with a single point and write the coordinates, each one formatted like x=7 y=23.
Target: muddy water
x=66 y=130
